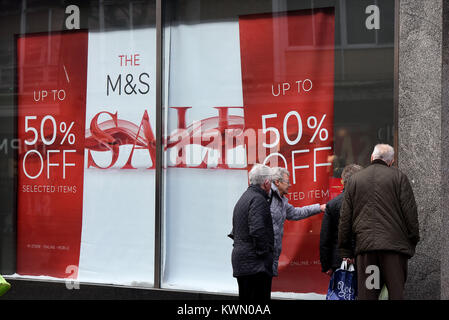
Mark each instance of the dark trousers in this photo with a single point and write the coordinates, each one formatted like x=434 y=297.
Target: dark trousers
x=392 y=267
x=255 y=287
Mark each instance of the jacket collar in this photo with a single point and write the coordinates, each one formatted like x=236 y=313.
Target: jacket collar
x=275 y=190
x=378 y=161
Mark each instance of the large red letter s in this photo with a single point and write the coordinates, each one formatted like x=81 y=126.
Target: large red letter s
x=105 y=140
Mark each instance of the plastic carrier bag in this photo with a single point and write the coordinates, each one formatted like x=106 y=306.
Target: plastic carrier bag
x=4 y=286
x=343 y=283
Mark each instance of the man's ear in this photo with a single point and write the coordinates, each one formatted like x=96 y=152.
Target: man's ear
x=267 y=184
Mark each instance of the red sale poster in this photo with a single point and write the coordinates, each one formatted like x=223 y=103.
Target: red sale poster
x=287 y=62
x=85 y=109
x=52 y=71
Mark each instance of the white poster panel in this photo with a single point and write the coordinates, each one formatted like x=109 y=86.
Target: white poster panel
x=204 y=74
x=117 y=244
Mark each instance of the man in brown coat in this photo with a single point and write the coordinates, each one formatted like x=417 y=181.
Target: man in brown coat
x=379 y=209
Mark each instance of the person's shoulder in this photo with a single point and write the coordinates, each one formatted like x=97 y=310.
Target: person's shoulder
x=335 y=204
x=397 y=170
x=400 y=174
x=357 y=176
x=251 y=193
x=257 y=194
x=360 y=174
x=336 y=200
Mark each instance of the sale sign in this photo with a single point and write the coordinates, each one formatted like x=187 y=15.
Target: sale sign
x=85 y=109
x=52 y=71
x=287 y=62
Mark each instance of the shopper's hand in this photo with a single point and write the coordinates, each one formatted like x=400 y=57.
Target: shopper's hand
x=329 y=272
x=322 y=207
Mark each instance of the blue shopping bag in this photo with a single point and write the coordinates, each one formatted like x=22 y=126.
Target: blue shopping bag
x=343 y=283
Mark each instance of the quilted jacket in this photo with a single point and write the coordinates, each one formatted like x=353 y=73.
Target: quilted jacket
x=329 y=256
x=252 y=232
x=281 y=210
x=379 y=209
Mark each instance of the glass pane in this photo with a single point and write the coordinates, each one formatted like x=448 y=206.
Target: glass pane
x=78 y=88
x=386 y=24
x=276 y=82
x=356 y=18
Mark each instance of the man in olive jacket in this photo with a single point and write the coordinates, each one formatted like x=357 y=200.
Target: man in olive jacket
x=252 y=232
x=379 y=208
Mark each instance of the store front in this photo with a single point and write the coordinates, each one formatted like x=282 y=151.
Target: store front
x=128 y=129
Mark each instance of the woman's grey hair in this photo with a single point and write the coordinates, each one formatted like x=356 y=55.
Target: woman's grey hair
x=279 y=172
x=383 y=152
x=349 y=170
x=259 y=173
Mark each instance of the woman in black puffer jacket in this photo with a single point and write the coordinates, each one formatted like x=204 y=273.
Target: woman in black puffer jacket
x=252 y=232
x=329 y=256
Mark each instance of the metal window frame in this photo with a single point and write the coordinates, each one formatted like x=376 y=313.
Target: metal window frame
x=396 y=80
x=159 y=150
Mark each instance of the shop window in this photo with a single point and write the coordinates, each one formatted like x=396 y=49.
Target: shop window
x=81 y=137
x=294 y=69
